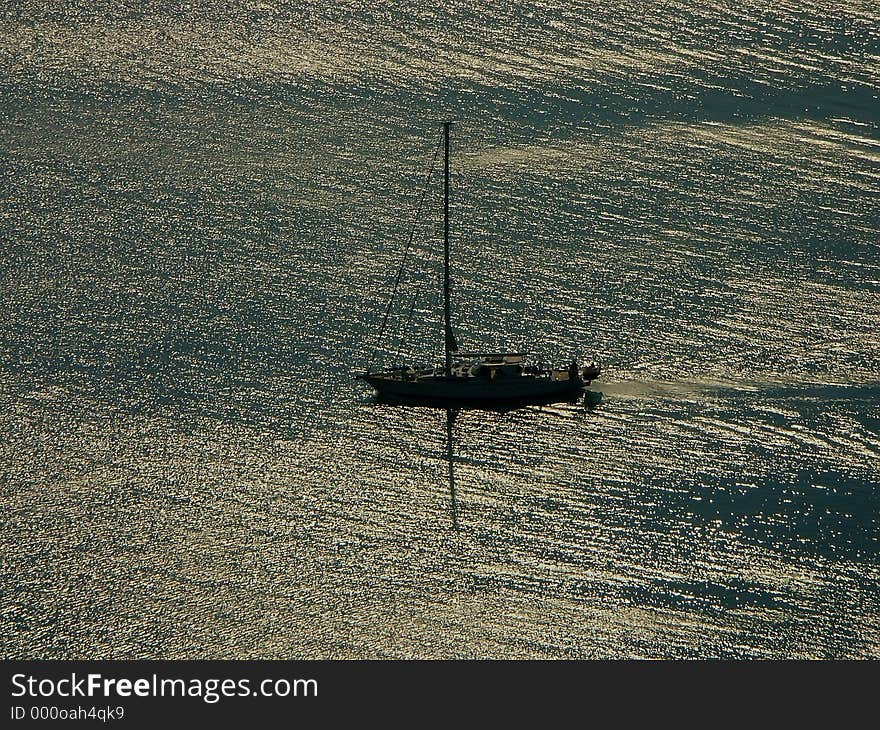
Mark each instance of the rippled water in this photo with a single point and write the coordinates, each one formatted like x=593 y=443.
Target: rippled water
x=201 y=215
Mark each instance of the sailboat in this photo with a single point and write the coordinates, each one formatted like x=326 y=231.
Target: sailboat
x=477 y=376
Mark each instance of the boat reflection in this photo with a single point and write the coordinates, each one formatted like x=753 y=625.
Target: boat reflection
x=588 y=400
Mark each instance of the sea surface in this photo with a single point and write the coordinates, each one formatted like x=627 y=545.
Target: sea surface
x=202 y=214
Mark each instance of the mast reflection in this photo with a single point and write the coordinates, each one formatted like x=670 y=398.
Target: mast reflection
x=450 y=420
x=589 y=400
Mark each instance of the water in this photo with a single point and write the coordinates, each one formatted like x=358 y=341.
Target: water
x=201 y=214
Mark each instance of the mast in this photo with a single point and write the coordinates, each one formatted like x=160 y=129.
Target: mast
x=450 y=345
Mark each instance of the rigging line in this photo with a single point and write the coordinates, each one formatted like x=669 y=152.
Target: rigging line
x=403 y=332
x=398 y=329
x=416 y=298
x=406 y=251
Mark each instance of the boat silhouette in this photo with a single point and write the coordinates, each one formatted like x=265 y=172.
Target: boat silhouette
x=475 y=377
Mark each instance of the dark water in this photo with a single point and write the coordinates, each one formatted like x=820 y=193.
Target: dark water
x=201 y=213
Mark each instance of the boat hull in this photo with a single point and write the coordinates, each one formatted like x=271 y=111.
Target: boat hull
x=475 y=389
